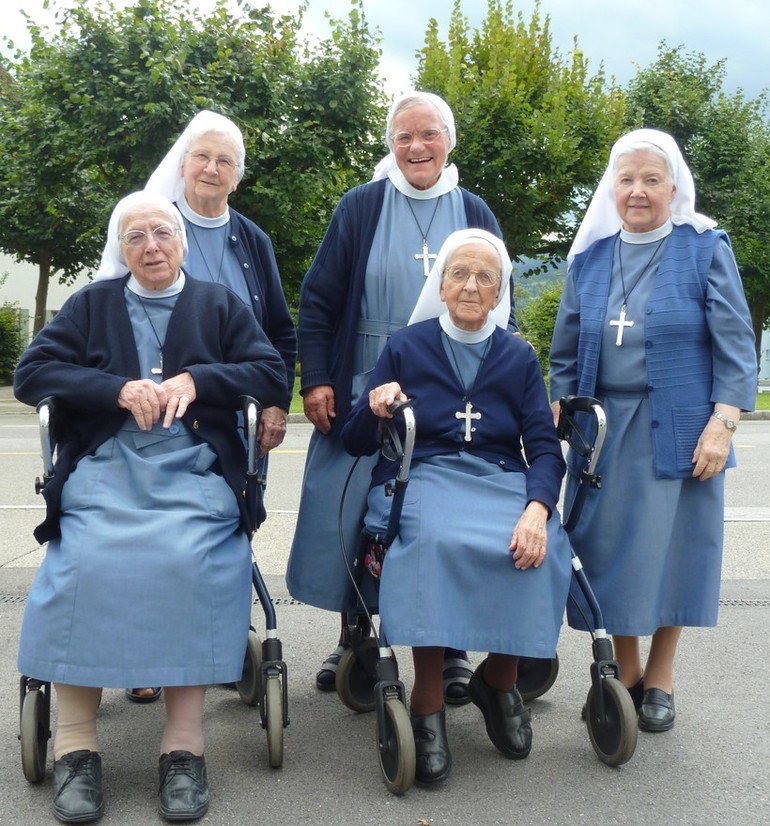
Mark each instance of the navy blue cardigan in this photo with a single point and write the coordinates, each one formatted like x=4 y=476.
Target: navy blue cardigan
x=87 y=353
x=509 y=390
x=260 y=269
x=330 y=299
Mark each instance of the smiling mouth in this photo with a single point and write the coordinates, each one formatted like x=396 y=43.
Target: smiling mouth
x=420 y=160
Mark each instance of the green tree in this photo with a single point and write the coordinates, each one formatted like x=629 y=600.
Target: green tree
x=726 y=142
x=533 y=126
x=91 y=108
x=537 y=318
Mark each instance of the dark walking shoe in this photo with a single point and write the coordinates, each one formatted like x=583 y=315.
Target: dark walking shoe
x=657 y=710
x=434 y=761
x=77 y=781
x=507 y=721
x=184 y=790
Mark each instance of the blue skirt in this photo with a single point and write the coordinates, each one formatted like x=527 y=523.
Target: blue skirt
x=317 y=572
x=651 y=548
x=150 y=581
x=448 y=578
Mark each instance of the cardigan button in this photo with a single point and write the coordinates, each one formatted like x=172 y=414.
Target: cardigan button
x=654 y=423
x=174 y=429
x=245 y=265
x=648 y=311
x=648 y=345
x=196 y=424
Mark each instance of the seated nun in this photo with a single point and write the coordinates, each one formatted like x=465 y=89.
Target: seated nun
x=481 y=561
x=145 y=513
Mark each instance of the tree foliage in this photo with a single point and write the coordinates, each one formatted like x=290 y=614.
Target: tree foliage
x=92 y=107
x=533 y=126
x=726 y=142
x=537 y=319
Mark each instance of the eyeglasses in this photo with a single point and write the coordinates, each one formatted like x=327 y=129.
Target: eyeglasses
x=138 y=237
x=425 y=136
x=202 y=159
x=461 y=275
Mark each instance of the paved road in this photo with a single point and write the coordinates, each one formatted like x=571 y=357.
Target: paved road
x=713 y=768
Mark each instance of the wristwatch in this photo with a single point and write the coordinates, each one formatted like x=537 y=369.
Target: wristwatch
x=730 y=424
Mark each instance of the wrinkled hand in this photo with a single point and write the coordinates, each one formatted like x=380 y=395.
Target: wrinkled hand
x=144 y=399
x=180 y=394
x=382 y=397
x=319 y=406
x=712 y=450
x=530 y=537
x=272 y=429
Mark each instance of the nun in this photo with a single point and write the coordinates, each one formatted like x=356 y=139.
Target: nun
x=146 y=517
x=480 y=561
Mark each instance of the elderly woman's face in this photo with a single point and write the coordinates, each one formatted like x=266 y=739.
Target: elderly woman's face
x=210 y=172
x=423 y=147
x=643 y=190
x=465 y=285
x=152 y=247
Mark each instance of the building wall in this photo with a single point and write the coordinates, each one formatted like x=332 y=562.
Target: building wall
x=20 y=287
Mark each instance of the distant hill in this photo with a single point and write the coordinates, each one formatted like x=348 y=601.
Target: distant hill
x=528 y=286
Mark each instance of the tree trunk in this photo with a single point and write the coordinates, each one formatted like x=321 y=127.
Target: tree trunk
x=41 y=297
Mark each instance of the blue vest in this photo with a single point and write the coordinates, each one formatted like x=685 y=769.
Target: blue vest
x=677 y=340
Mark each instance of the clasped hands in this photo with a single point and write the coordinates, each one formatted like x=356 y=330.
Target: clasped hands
x=146 y=400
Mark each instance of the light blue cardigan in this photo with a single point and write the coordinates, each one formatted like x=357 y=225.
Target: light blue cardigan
x=681 y=383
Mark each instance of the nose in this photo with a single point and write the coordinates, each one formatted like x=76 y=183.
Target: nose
x=470 y=285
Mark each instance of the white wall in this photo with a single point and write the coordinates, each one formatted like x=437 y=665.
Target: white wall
x=20 y=287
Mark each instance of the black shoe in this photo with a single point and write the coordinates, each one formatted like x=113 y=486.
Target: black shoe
x=457 y=674
x=434 y=761
x=507 y=721
x=326 y=676
x=657 y=710
x=184 y=791
x=77 y=780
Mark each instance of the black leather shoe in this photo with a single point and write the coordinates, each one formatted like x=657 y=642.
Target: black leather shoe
x=434 y=761
x=77 y=780
x=184 y=790
x=657 y=710
x=636 y=692
x=507 y=721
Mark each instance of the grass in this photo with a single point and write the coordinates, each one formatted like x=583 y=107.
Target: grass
x=763 y=401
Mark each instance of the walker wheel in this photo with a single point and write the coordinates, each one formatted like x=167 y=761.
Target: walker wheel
x=615 y=741
x=274 y=721
x=249 y=684
x=536 y=676
x=357 y=676
x=396 y=751
x=34 y=735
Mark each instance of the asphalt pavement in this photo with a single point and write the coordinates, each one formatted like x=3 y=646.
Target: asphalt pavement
x=712 y=768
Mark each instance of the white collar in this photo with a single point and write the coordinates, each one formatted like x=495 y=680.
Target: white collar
x=653 y=235
x=446 y=183
x=143 y=292
x=466 y=336
x=201 y=220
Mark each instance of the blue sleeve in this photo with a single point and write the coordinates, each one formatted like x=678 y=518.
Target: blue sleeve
x=563 y=376
x=733 y=343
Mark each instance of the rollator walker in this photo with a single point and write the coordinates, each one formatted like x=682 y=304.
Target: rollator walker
x=367 y=675
x=264 y=672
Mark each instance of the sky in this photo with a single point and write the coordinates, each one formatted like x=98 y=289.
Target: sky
x=624 y=35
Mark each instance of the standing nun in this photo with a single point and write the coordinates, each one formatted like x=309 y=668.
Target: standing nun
x=653 y=322
x=361 y=287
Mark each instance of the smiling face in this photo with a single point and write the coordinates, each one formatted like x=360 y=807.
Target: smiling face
x=154 y=263
x=420 y=162
x=469 y=302
x=210 y=172
x=643 y=190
